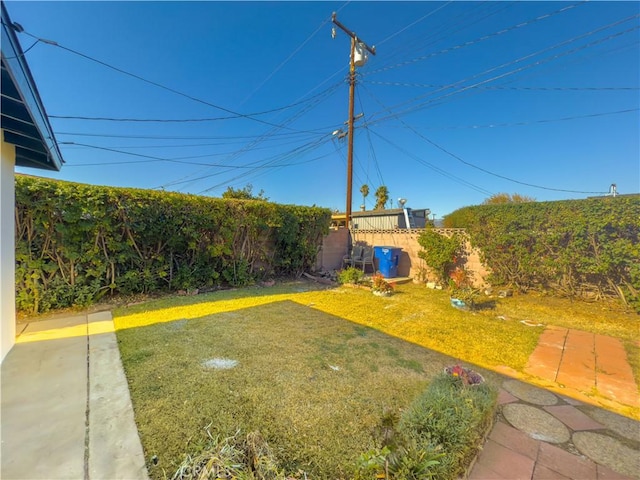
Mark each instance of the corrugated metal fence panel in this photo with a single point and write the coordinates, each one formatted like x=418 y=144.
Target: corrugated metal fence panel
x=382 y=222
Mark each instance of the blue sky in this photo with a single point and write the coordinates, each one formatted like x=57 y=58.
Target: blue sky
x=461 y=101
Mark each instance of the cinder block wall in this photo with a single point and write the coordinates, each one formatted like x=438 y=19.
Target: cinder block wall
x=335 y=247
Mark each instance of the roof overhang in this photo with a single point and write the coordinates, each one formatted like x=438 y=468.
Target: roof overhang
x=24 y=120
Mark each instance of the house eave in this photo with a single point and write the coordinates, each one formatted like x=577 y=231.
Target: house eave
x=24 y=120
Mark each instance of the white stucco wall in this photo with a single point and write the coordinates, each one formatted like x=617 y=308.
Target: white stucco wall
x=7 y=249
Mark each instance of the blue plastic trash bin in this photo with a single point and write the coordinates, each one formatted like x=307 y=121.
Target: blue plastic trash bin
x=388 y=258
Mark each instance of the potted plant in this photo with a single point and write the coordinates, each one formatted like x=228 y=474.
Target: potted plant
x=466 y=375
x=380 y=287
x=463 y=294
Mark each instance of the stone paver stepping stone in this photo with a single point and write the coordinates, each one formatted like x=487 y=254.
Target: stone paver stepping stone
x=573 y=418
x=608 y=451
x=624 y=426
x=536 y=423
x=530 y=394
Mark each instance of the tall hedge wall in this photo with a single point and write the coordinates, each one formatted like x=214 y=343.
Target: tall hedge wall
x=76 y=243
x=578 y=247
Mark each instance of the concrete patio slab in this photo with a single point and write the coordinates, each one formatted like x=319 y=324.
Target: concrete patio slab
x=65 y=408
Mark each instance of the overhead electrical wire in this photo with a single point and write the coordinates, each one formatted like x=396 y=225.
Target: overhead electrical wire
x=532 y=122
x=473 y=42
x=258 y=140
x=291 y=55
x=371 y=149
x=517 y=70
x=415 y=22
x=272 y=161
x=433 y=167
x=88 y=57
x=514 y=71
x=343 y=157
x=197 y=176
x=502 y=87
x=151 y=82
x=173 y=137
x=117 y=150
x=503 y=177
x=444 y=30
x=189 y=120
x=261 y=165
x=153 y=159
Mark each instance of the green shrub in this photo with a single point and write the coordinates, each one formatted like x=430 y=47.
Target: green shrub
x=588 y=248
x=436 y=437
x=351 y=275
x=439 y=252
x=450 y=419
x=76 y=243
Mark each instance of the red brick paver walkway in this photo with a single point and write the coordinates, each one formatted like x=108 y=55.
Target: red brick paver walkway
x=585 y=362
x=512 y=454
x=580 y=365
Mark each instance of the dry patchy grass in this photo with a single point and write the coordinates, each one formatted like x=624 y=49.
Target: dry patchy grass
x=317 y=367
x=313 y=385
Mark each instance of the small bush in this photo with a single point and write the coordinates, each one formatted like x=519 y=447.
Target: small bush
x=436 y=437
x=449 y=418
x=439 y=252
x=351 y=275
x=380 y=284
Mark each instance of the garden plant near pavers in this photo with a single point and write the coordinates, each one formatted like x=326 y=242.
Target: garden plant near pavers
x=288 y=339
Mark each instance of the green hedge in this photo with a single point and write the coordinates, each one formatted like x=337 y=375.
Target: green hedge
x=578 y=247
x=76 y=243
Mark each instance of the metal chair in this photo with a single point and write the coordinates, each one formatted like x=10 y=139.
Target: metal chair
x=366 y=259
x=356 y=255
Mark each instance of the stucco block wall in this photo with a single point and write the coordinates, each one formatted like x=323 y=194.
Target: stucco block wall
x=7 y=250
x=334 y=248
x=410 y=263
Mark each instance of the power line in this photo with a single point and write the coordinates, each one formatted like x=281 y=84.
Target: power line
x=436 y=169
x=371 y=149
x=533 y=122
x=273 y=161
x=170 y=137
x=151 y=82
x=287 y=59
x=187 y=120
x=541 y=187
x=152 y=147
x=414 y=23
x=444 y=150
x=152 y=159
x=516 y=70
x=501 y=87
x=475 y=41
x=446 y=29
x=265 y=136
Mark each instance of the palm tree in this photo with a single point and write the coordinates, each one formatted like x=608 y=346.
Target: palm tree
x=382 y=197
x=364 y=190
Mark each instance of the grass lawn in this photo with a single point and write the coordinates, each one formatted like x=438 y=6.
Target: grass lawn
x=317 y=368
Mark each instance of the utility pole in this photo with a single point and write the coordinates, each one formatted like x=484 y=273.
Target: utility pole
x=356 y=44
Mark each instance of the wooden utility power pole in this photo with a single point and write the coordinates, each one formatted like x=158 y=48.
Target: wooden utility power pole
x=355 y=43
